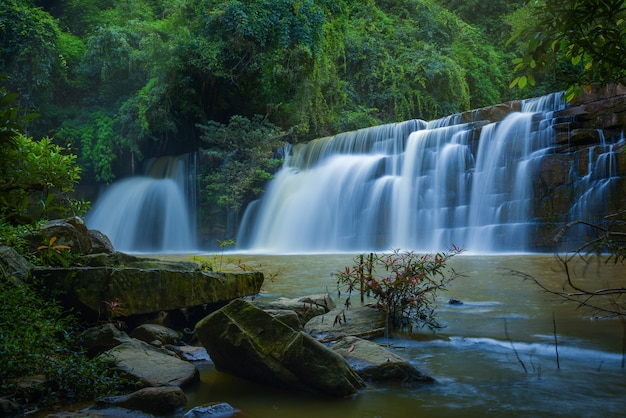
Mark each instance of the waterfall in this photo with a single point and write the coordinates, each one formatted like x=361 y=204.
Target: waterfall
x=412 y=185
x=592 y=187
x=153 y=212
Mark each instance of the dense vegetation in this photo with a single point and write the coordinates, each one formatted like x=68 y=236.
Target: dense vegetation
x=120 y=81
x=117 y=81
x=40 y=361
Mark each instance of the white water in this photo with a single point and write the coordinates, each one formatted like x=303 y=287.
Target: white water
x=150 y=213
x=412 y=185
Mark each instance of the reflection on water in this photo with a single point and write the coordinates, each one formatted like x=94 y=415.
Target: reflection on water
x=475 y=363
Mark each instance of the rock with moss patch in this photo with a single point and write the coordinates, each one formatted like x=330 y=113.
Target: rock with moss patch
x=248 y=342
x=144 y=285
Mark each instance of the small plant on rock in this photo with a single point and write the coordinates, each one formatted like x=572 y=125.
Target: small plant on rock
x=114 y=311
x=403 y=283
x=54 y=254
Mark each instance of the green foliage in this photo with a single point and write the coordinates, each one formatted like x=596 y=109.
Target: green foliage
x=403 y=283
x=403 y=60
x=37 y=180
x=238 y=159
x=486 y=15
x=584 y=41
x=29 y=53
x=38 y=339
x=98 y=142
x=13 y=235
x=128 y=79
x=12 y=122
x=52 y=254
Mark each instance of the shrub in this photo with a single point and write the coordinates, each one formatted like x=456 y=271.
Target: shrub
x=403 y=283
x=38 y=340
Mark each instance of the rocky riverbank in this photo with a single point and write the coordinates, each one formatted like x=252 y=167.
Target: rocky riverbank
x=290 y=343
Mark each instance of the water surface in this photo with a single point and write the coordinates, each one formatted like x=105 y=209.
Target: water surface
x=496 y=357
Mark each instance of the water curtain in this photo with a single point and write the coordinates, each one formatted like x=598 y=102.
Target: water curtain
x=154 y=212
x=412 y=185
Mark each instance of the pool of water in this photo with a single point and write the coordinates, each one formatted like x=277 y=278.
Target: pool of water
x=496 y=356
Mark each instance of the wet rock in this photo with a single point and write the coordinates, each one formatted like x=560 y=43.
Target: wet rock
x=306 y=306
x=100 y=243
x=159 y=401
x=217 y=410
x=377 y=364
x=154 y=332
x=152 y=366
x=191 y=353
x=361 y=321
x=97 y=340
x=248 y=342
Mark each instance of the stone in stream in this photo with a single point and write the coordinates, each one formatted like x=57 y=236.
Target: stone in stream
x=152 y=366
x=246 y=341
x=375 y=363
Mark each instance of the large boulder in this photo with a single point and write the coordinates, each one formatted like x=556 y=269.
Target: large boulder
x=377 y=364
x=248 y=342
x=72 y=232
x=151 y=366
x=144 y=285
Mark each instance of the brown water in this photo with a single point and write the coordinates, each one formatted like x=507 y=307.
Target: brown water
x=473 y=360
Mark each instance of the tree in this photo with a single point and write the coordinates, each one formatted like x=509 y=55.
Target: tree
x=238 y=160
x=28 y=37
x=37 y=178
x=12 y=121
x=589 y=36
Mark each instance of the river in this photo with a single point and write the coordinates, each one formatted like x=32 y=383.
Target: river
x=495 y=357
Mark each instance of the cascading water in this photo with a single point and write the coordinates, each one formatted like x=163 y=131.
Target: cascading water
x=412 y=185
x=151 y=213
x=592 y=190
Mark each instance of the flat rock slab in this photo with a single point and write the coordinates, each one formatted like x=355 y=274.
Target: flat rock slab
x=362 y=321
x=152 y=366
x=145 y=286
x=375 y=363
